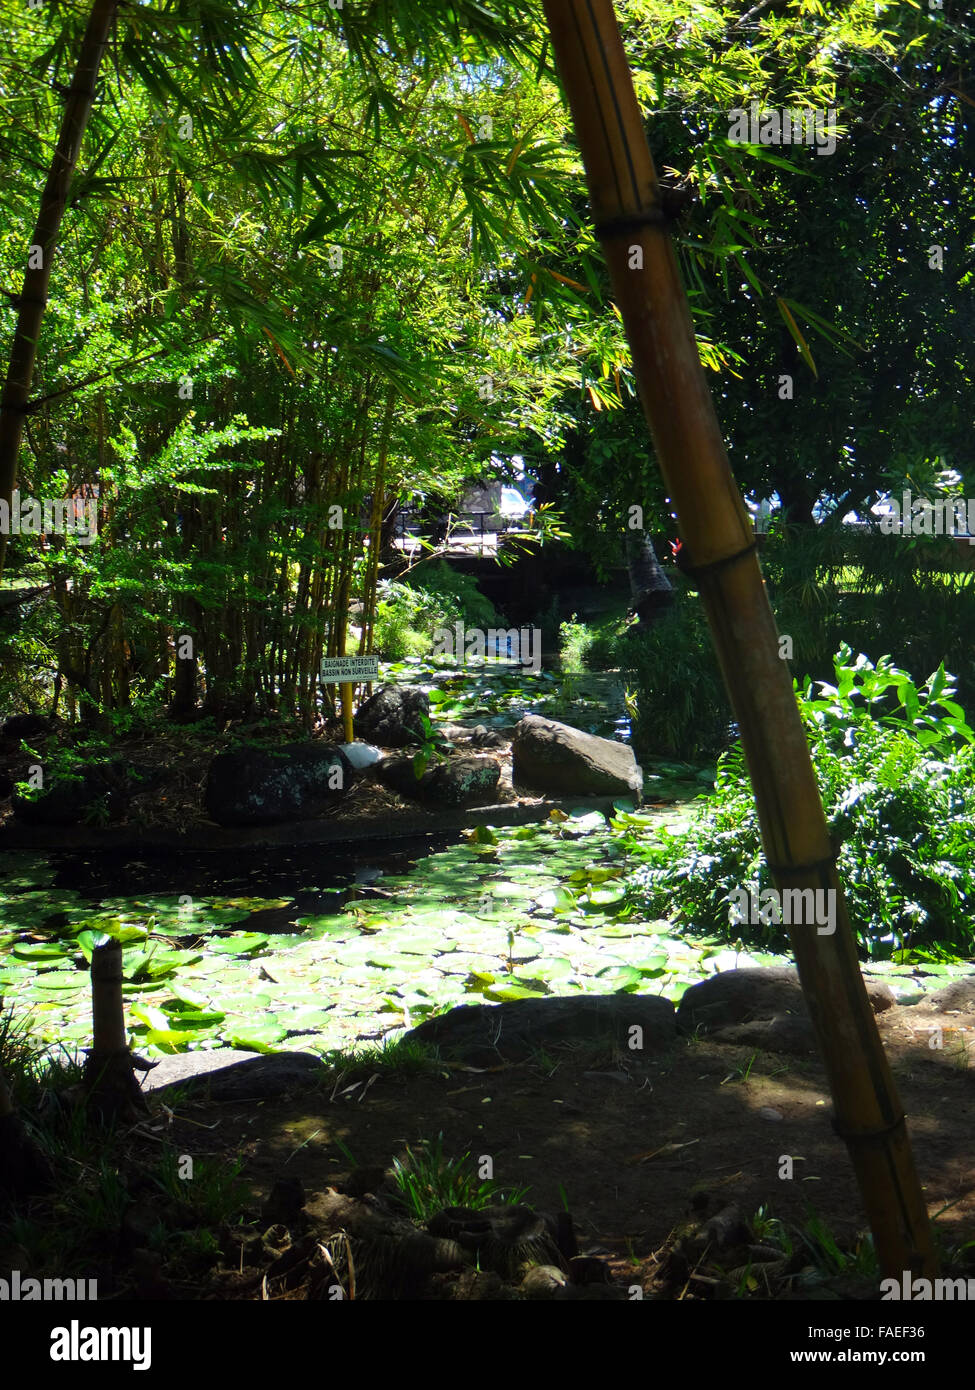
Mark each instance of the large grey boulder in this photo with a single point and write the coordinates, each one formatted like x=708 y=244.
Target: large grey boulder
x=457 y=782
x=555 y=758
x=390 y=717
x=760 y=1007
x=487 y=1033
x=259 y=786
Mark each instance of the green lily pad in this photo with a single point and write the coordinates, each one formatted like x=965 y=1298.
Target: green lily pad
x=41 y=950
x=651 y=965
x=308 y=1020
x=244 y=943
x=502 y=994
x=548 y=969
x=61 y=980
x=607 y=897
x=256 y=1037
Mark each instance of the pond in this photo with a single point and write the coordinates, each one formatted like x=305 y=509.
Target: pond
x=498 y=694
x=304 y=950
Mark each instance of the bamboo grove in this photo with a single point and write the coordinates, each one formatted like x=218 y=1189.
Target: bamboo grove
x=301 y=266
x=337 y=254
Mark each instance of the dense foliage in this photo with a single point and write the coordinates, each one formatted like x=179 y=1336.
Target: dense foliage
x=895 y=766
x=312 y=267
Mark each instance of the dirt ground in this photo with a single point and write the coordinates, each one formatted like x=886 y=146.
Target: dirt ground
x=628 y=1147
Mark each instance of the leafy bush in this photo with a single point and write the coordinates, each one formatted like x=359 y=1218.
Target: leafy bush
x=895 y=766
x=575 y=642
x=407 y=614
x=394 y=633
x=832 y=584
x=449 y=595
x=682 y=709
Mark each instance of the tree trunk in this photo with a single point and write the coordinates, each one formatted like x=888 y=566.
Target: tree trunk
x=110 y=1082
x=650 y=589
x=33 y=296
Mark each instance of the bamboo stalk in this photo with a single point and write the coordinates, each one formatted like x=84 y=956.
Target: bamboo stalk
x=54 y=200
x=721 y=555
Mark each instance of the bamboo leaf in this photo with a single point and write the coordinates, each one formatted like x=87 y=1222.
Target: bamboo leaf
x=794 y=329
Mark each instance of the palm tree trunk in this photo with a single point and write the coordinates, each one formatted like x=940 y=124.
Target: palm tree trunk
x=650 y=589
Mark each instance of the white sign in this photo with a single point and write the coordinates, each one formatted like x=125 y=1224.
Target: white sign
x=349 y=668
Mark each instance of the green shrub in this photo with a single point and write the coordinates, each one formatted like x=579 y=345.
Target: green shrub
x=407 y=614
x=682 y=709
x=394 y=634
x=895 y=766
x=830 y=584
x=575 y=643
x=448 y=595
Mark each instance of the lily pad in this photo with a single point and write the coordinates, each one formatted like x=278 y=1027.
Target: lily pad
x=41 y=950
x=502 y=994
x=244 y=943
x=61 y=980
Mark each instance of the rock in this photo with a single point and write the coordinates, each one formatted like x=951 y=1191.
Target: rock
x=456 y=782
x=360 y=755
x=390 y=717
x=881 y=996
x=738 y=996
x=257 y=786
x=464 y=781
x=488 y=1033
x=759 y=1007
x=958 y=996
x=783 y=1033
x=541 y=1281
x=555 y=758
x=25 y=726
x=67 y=802
x=229 y=1074
x=480 y=737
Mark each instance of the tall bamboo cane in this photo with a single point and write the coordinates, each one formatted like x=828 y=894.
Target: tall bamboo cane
x=32 y=299
x=721 y=557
